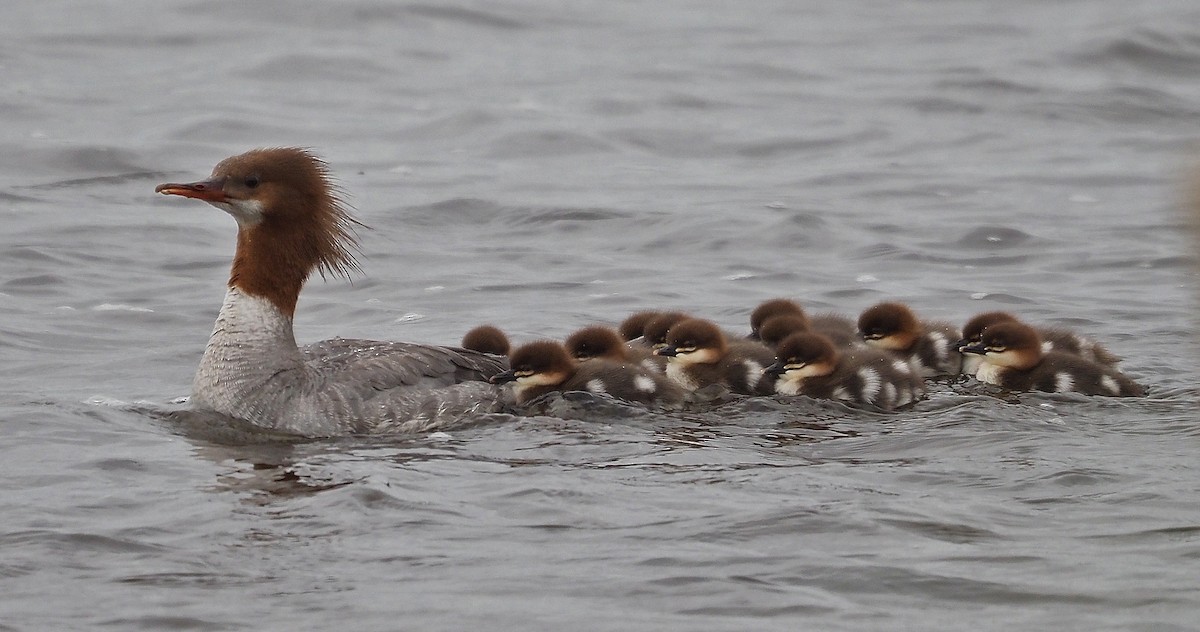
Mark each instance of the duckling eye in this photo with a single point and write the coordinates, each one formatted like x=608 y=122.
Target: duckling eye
x=251 y=182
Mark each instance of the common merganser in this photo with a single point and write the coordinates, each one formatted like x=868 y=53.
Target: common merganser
x=1053 y=339
x=1013 y=359
x=931 y=344
x=487 y=339
x=291 y=223
x=771 y=308
x=838 y=328
x=700 y=355
x=655 y=333
x=634 y=325
x=776 y=328
x=809 y=364
x=543 y=366
x=598 y=341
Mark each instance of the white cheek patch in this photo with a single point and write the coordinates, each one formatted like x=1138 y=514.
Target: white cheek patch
x=645 y=384
x=1110 y=384
x=246 y=212
x=541 y=379
x=1064 y=382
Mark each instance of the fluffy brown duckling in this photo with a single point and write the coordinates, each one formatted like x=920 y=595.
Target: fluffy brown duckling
x=930 y=344
x=544 y=366
x=699 y=355
x=809 y=364
x=1013 y=358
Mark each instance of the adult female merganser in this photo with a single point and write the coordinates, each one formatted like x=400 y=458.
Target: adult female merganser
x=598 y=341
x=487 y=339
x=1013 y=359
x=291 y=223
x=1053 y=339
x=809 y=364
x=699 y=355
x=894 y=327
x=543 y=366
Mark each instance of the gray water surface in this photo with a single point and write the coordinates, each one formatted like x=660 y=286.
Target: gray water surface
x=543 y=166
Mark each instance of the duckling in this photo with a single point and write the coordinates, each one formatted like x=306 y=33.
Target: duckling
x=599 y=341
x=776 y=328
x=837 y=327
x=634 y=325
x=699 y=355
x=655 y=333
x=1053 y=339
x=543 y=366
x=486 y=339
x=809 y=364
x=930 y=344
x=1013 y=359
x=769 y=309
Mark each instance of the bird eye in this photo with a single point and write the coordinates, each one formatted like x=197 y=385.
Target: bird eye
x=251 y=182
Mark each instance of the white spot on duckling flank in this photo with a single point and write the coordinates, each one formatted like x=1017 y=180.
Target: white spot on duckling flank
x=889 y=394
x=1047 y=346
x=754 y=372
x=871 y=384
x=645 y=384
x=1064 y=383
x=1110 y=384
x=596 y=386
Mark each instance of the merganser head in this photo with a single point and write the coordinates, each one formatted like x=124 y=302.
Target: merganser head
x=486 y=339
x=773 y=307
x=1010 y=344
x=776 y=328
x=694 y=341
x=290 y=220
x=655 y=333
x=972 y=332
x=539 y=363
x=596 y=341
x=635 y=324
x=803 y=355
x=890 y=326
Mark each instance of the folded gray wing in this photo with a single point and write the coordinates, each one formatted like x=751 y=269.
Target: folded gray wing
x=385 y=365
